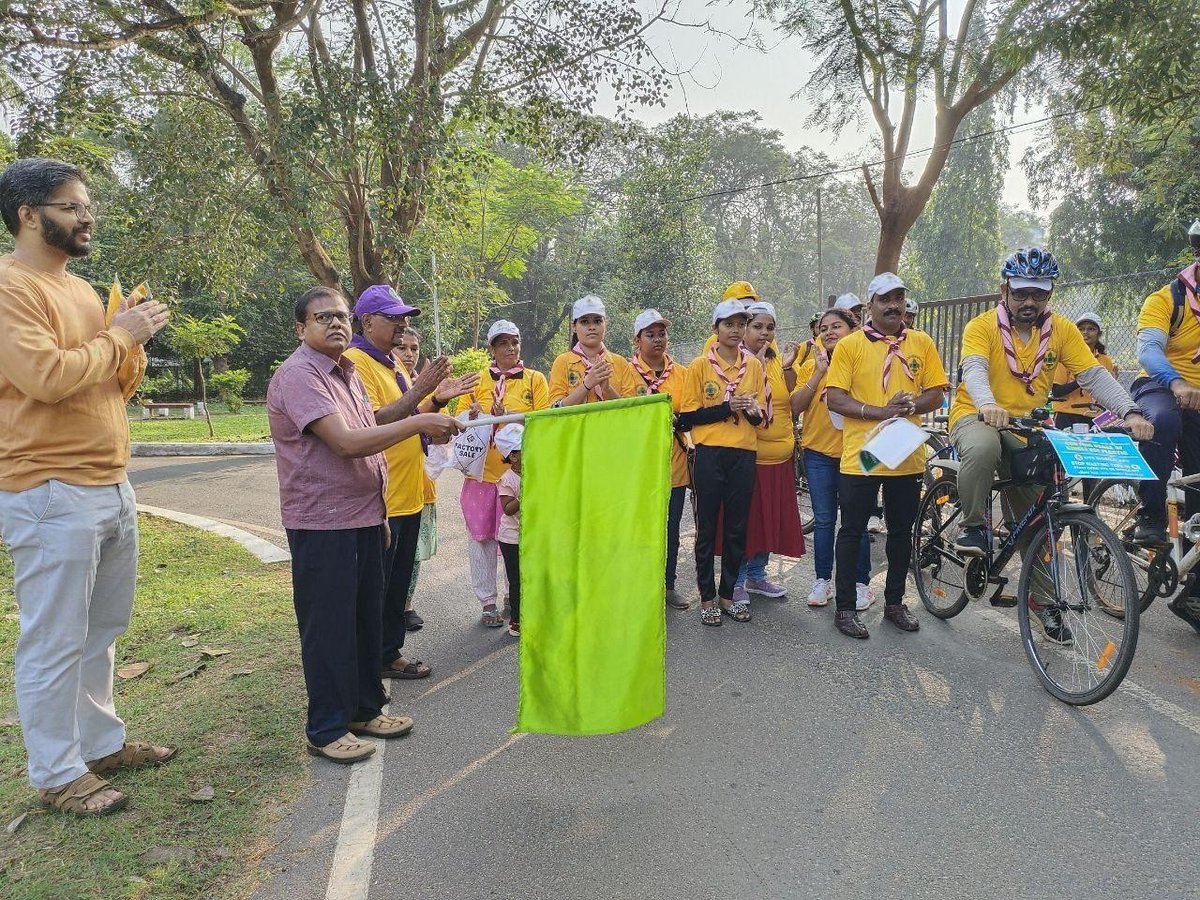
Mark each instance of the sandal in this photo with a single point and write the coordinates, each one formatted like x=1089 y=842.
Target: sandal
x=492 y=618
x=739 y=612
x=413 y=668
x=73 y=797
x=710 y=615
x=134 y=755
x=345 y=750
x=383 y=727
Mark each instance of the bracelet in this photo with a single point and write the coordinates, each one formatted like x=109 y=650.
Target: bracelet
x=862 y=413
x=438 y=404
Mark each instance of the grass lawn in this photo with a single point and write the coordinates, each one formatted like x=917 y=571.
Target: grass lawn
x=238 y=723
x=247 y=426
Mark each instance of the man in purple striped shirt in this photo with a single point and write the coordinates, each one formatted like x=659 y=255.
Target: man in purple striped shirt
x=329 y=456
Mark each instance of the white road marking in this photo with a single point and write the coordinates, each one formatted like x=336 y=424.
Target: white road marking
x=350 y=874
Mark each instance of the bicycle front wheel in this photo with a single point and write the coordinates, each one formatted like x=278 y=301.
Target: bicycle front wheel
x=937 y=568
x=1116 y=503
x=1075 y=574
x=803 y=497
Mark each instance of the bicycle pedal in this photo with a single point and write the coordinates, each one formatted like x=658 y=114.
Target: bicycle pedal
x=1005 y=601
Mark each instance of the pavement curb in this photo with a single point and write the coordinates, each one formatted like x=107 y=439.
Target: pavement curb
x=263 y=448
x=264 y=550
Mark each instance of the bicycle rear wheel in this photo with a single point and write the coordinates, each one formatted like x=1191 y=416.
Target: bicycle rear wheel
x=1116 y=504
x=803 y=497
x=937 y=568
x=1079 y=653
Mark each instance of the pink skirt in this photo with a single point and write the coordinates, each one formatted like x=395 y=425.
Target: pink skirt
x=774 y=524
x=480 y=502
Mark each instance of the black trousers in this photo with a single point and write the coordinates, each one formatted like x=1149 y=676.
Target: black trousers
x=1174 y=429
x=512 y=571
x=399 y=560
x=337 y=589
x=857 y=497
x=724 y=485
x=674 y=519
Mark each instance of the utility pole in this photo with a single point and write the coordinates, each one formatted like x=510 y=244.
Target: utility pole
x=437 y=321
x=820 y=263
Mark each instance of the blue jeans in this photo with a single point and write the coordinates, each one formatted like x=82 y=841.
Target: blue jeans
x=754 y=569
x=824 y=473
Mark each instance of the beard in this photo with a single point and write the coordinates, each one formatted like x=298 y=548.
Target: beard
x=64 y=239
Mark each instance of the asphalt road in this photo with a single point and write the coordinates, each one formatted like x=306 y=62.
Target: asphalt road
x=791 y=762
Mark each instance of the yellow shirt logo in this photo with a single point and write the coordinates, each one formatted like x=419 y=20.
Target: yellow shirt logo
x=914 y=364
x=1051 y=358
x=643 y=390
x=572 y=378
x=710 y=389
x=528 y=397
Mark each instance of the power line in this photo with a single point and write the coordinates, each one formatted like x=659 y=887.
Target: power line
x=1015 y=128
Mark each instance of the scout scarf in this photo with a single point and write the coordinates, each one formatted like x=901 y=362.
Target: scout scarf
x=730 y=386
x=588 y=364
x=1044 y=327
x=1188 y=278
x=501 y=379
x=893 y=350
x=653 y=382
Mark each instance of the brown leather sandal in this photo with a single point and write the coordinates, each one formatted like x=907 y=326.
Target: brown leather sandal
x=73 y=797
x=134 y=755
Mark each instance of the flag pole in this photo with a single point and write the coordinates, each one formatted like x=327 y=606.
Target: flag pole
x=495 y=420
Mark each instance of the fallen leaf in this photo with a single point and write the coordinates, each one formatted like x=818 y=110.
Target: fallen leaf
x=190 y=641
x=160 y=566
x=133 y=670
x=194 y=670
x=16 y=823
x=210 y=653
x=202 y=795
x=241 y=673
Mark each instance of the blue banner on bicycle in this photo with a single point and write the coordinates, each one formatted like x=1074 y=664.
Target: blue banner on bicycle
x=1099 y=456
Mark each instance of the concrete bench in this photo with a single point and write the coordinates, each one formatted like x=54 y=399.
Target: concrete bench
x=163 y=410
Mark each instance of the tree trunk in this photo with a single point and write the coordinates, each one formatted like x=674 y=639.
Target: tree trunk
x=900 y=214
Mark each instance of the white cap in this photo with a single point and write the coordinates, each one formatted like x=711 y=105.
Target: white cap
x=646 y=318
x=508 y=438
x=761 y=306
x=587 y=305
x=502 y=326
x=883 y=283
x=910 y=305
x=848 y=302
x=1042 y=284
x=727 y=308
x=1092 y=317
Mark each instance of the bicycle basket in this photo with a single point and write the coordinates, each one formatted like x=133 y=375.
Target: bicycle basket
x=1034 y=463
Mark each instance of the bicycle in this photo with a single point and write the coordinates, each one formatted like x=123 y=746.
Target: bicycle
x=1159 y=571
x=1068 y=549
x=808 y=518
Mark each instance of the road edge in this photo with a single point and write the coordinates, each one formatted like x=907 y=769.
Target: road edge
x=216 y=448
x=263 y=549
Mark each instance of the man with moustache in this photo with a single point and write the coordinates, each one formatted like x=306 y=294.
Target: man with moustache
x=1009 y=355
x=66 y=507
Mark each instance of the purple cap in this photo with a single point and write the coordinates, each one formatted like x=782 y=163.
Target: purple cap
x=380 y=298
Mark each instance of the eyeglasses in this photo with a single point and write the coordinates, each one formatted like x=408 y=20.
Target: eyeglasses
x=395 y=320
x=328 y=317
x=80 y=209
x=1036 y=295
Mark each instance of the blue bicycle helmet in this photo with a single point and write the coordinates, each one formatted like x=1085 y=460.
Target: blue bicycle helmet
x=1032 y=263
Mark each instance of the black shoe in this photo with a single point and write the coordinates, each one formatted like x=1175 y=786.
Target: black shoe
x=898 y=615
x=412 y=621
x=1149 y=533
x=1053 y=627
x=972 y=542
x=849 y=624
x=1188 y=609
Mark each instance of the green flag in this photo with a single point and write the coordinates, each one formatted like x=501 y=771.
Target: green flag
x=595 y=483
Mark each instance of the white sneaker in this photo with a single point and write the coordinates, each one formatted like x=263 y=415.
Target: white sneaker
x=866 y=597
x=821 y=593
x=875 y=525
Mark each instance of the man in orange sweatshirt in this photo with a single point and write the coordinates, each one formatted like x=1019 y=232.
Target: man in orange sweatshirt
x=66 y=508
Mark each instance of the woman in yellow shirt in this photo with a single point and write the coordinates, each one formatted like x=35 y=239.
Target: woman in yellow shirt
x=821 y=441
x=1069 y=399
x=588 y=372
x=722 y=407
x=774 y=523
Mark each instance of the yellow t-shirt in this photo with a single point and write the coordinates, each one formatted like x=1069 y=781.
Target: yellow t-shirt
x=777 y=441
x=981 y=337
x=567 y=374
x=857 y=368
x=704 y=389
x=674 y=388
x=405 y=462
x=819 y=434
x=524 y=394
x=1182 y=345
x=1078 y=396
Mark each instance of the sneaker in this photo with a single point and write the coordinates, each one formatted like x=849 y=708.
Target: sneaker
x=849 y=624
x=973 y=541
x=898 y=615
x=1187 y=608
x=1149 y=533
x=1053 y=627
x=821 y=593
x=875 y=525
x=866 y=597
x=766 y=588
x=675 y=600
x=514 y=628
x=740 y=594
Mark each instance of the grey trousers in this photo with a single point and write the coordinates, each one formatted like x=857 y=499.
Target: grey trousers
x=75 y=552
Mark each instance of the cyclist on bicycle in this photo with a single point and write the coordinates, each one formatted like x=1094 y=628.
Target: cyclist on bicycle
x=1009 y=355
x=1168 y=389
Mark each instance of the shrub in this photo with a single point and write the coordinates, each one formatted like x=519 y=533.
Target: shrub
x=462 y=363
x=229 y=387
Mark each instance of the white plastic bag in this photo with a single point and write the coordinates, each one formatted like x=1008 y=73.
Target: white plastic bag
x=437 y=460
x=469 y=450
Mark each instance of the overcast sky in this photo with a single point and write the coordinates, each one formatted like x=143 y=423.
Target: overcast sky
x=724 y=73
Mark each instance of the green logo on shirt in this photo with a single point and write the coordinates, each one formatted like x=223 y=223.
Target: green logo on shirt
x=529 y=399
x=572 y=378
x=914 y=365
x=1051 y=358
x=710 y=389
